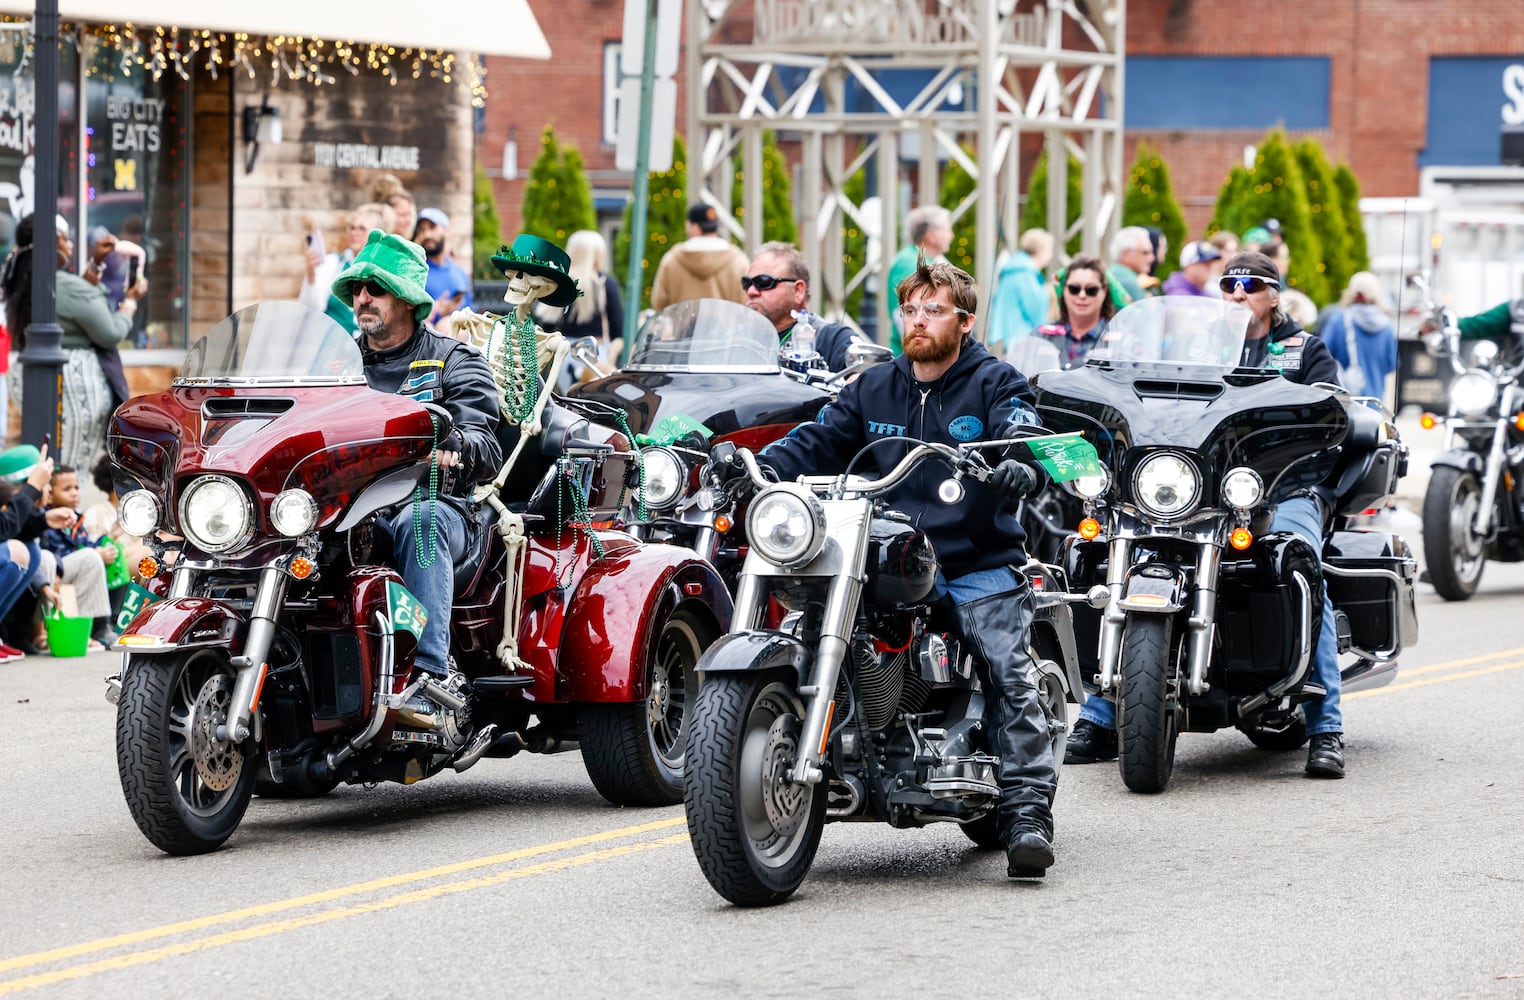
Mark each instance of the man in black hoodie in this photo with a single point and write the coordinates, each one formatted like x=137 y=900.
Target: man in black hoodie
x=385 y=287
x=947 y=388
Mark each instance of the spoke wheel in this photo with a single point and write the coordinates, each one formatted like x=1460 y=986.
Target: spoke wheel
x=187 y=789
x=1453 y=553
x=1147 y=720
x=754 y=831
x=634 y=751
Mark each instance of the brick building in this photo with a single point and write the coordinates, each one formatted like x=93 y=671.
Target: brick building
x=1390 y=86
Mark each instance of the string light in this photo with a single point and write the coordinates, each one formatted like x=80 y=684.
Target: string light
x=115 y=51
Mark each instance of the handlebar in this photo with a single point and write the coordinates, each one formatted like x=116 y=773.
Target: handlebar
x=966 y=461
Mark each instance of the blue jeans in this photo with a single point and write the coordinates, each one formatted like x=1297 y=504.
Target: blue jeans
x=13 y=578
x=432 y=585
x=1299 y=516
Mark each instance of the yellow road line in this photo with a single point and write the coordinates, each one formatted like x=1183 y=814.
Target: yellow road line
x=1463 y=675
x=1431 y=668
x=277 y=906
x=257 y=931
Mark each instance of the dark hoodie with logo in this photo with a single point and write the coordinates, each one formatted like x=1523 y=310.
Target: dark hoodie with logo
x=980 y=398
x=1297 y=354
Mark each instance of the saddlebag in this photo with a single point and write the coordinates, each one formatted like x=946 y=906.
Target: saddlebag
x=1370 y=577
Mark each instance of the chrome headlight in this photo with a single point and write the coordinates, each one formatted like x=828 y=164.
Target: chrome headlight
x=1473 y=393
x=664 y=474
x=1242 y=488
x=216 y=514
x=1092 y=487
x=1166 y=485
x=294 y=512
x=138 y=513
x=786 y=524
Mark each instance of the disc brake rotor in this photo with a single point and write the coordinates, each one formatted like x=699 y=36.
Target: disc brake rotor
x=218 y=762
x=783 y=799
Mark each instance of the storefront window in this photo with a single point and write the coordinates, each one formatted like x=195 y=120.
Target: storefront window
x=18 y=136
x=137 y=183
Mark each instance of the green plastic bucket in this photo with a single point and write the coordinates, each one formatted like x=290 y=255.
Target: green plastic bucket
x=68 y=636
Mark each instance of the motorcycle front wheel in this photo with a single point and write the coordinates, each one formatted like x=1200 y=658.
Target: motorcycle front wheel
x=754 y=832
x=187 y=790
x=1147 y=723
x=1452 y=552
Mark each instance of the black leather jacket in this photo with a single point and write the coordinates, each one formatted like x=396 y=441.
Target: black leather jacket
x=432 y=368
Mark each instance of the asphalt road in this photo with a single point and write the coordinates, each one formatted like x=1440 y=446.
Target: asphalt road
x=1243 y=879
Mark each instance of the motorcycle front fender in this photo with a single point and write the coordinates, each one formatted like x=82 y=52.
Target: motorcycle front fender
x=1154 y=592
x=1463 y=459
x=183 y=623
x=616 y=614
x=741 y=652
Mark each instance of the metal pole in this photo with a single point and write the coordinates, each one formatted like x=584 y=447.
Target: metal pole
x=642 y=182
x=42 y=359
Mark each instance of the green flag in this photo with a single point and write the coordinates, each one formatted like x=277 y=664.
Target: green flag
x=1065 y=456
x=673 y=428
x=136 y=599
x=406 y=613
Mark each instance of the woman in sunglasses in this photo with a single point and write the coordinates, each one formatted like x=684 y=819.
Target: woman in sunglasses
x=1084 y=306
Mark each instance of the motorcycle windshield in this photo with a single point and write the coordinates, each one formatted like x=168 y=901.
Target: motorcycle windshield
x=1203 y=336
x=706 y=335
x=274 y=343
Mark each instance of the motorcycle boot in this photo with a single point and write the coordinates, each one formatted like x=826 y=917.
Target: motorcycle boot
x=1090 y=743
x=1325 y=756
x=996 y=628
x=423 y=712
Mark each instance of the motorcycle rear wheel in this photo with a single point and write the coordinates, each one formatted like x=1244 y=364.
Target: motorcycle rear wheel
x=186 y=790
x=1452 y=553
x=634 y=751
x=754 y=833
x=1147 y=724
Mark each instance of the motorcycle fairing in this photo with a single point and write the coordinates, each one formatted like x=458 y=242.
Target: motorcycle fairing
x=615 y=617
x=723 y=402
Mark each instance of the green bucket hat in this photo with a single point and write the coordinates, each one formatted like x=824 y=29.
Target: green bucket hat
x=17 y=463
x=393 y=263
x=533 y=255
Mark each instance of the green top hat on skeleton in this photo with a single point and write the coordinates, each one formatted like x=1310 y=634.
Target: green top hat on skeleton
x=395 y=264
x=543 y=258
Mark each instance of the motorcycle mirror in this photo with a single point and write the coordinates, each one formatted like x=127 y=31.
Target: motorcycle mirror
x=951 y=491
x=1098 y=596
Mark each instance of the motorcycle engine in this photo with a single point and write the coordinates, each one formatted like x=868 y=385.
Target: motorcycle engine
x=885 y=684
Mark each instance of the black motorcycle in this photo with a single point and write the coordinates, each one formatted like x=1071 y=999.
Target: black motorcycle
x=1473 y=510
x=839 y=694
x=1212 y=619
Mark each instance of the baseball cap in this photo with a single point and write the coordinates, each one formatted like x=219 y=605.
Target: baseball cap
x=1196 y=253
x=703 y=215
x=435 y=216
x=16 y=463
x=1258 y=234
x=1251 y=264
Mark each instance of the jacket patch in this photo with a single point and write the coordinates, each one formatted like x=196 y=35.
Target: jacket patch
x=414 y=383
x=889 y=430
x=966 y=428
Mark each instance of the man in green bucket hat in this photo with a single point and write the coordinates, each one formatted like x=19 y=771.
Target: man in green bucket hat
x=385 y=287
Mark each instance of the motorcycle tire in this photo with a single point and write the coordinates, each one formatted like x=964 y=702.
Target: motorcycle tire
x=755 y=839
x=634 y=751
x=1453 y=556
x=1281 y=739
x=187 y=794
x=1147 y=723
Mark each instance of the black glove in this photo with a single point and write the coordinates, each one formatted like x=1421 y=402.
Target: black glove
x=1013 y=480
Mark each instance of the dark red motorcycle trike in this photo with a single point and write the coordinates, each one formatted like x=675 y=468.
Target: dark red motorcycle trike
x=281 y=653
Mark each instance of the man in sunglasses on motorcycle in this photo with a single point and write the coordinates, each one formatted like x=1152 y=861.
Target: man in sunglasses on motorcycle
x=947 y=388
x=1274 y=340
x=385 y=287
x=777 y=285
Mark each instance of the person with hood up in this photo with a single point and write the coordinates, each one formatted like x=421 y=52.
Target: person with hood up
x=703 y=266
x=1361 y=336
x=1022 y=301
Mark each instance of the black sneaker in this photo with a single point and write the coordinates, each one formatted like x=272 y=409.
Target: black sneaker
x=1325 y=756
x=1090 y=743
x=1029 y=855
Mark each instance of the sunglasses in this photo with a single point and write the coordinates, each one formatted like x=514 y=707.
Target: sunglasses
x=1230 y=284
x=932 y=310
x=1084 y=289
x=764 y=282
x=372 y=288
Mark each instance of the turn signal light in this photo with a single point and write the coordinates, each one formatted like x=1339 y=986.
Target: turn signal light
x=1428 y=421
x=721 y=523
x=1518 y=421
x=1089 y=529
x=148 y=567
x=1240 y=539
x=301 y=567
